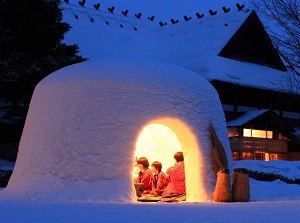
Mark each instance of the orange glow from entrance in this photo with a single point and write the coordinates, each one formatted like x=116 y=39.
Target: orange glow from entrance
x=158 y=143
x=161 y=138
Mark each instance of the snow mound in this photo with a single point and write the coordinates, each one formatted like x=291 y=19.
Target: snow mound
x=84 y=121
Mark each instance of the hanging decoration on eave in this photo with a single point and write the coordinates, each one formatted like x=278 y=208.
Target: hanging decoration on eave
x=81 y=3
x=162 y=23
x=173 y=21
x=225 y=10
x=199 y=16
x=111 y=9
x=150 y=18
x=187 y=18
x=211 y=12
x=125 y=13
x=97 y=6
x=239 y=7
x=138 y=15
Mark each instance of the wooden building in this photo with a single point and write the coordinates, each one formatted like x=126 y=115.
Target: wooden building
x=261 y=122
x=260 y=135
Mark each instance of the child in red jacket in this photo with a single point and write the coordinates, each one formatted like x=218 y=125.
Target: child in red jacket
x=145 y=174
x=177 y=176
x=159 y=180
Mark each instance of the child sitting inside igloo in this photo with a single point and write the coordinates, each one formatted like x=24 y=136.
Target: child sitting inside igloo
x=143 y=182
x=177 y=177
x=159 y=180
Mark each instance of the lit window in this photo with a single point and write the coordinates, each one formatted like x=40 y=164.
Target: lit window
x=233 y=132
x=267 y=157
x=257 y=133
x=246 y=156
x=273 y=156
x=247 y=132
x=235 y=156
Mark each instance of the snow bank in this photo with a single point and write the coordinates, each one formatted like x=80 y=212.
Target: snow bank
x=288 y=169
x=84 y=121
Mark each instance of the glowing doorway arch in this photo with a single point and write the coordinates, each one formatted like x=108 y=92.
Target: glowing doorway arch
x=189 y=145
x=158 y=142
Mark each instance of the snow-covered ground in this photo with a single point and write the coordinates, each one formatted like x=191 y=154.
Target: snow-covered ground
x=270 y=202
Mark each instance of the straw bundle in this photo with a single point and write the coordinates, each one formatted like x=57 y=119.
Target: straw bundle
x=222 y=191
x=240 y=186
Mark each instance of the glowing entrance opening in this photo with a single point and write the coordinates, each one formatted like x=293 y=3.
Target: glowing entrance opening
x=160 y=139
x=158 y=143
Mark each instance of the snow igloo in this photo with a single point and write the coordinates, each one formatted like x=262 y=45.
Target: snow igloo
x=87 y=123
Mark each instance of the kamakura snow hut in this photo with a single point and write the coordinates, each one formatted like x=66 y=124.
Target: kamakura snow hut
x=84 y=122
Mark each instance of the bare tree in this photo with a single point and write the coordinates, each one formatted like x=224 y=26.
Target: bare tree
x=281 y=19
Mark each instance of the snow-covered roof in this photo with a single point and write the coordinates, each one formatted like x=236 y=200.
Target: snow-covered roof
x=248 y=116
x=192 y=44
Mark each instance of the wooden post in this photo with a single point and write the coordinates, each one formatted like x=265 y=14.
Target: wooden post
x=240 y=186
x=222 y=191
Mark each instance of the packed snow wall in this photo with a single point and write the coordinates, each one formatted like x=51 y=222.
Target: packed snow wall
x=84 y=120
